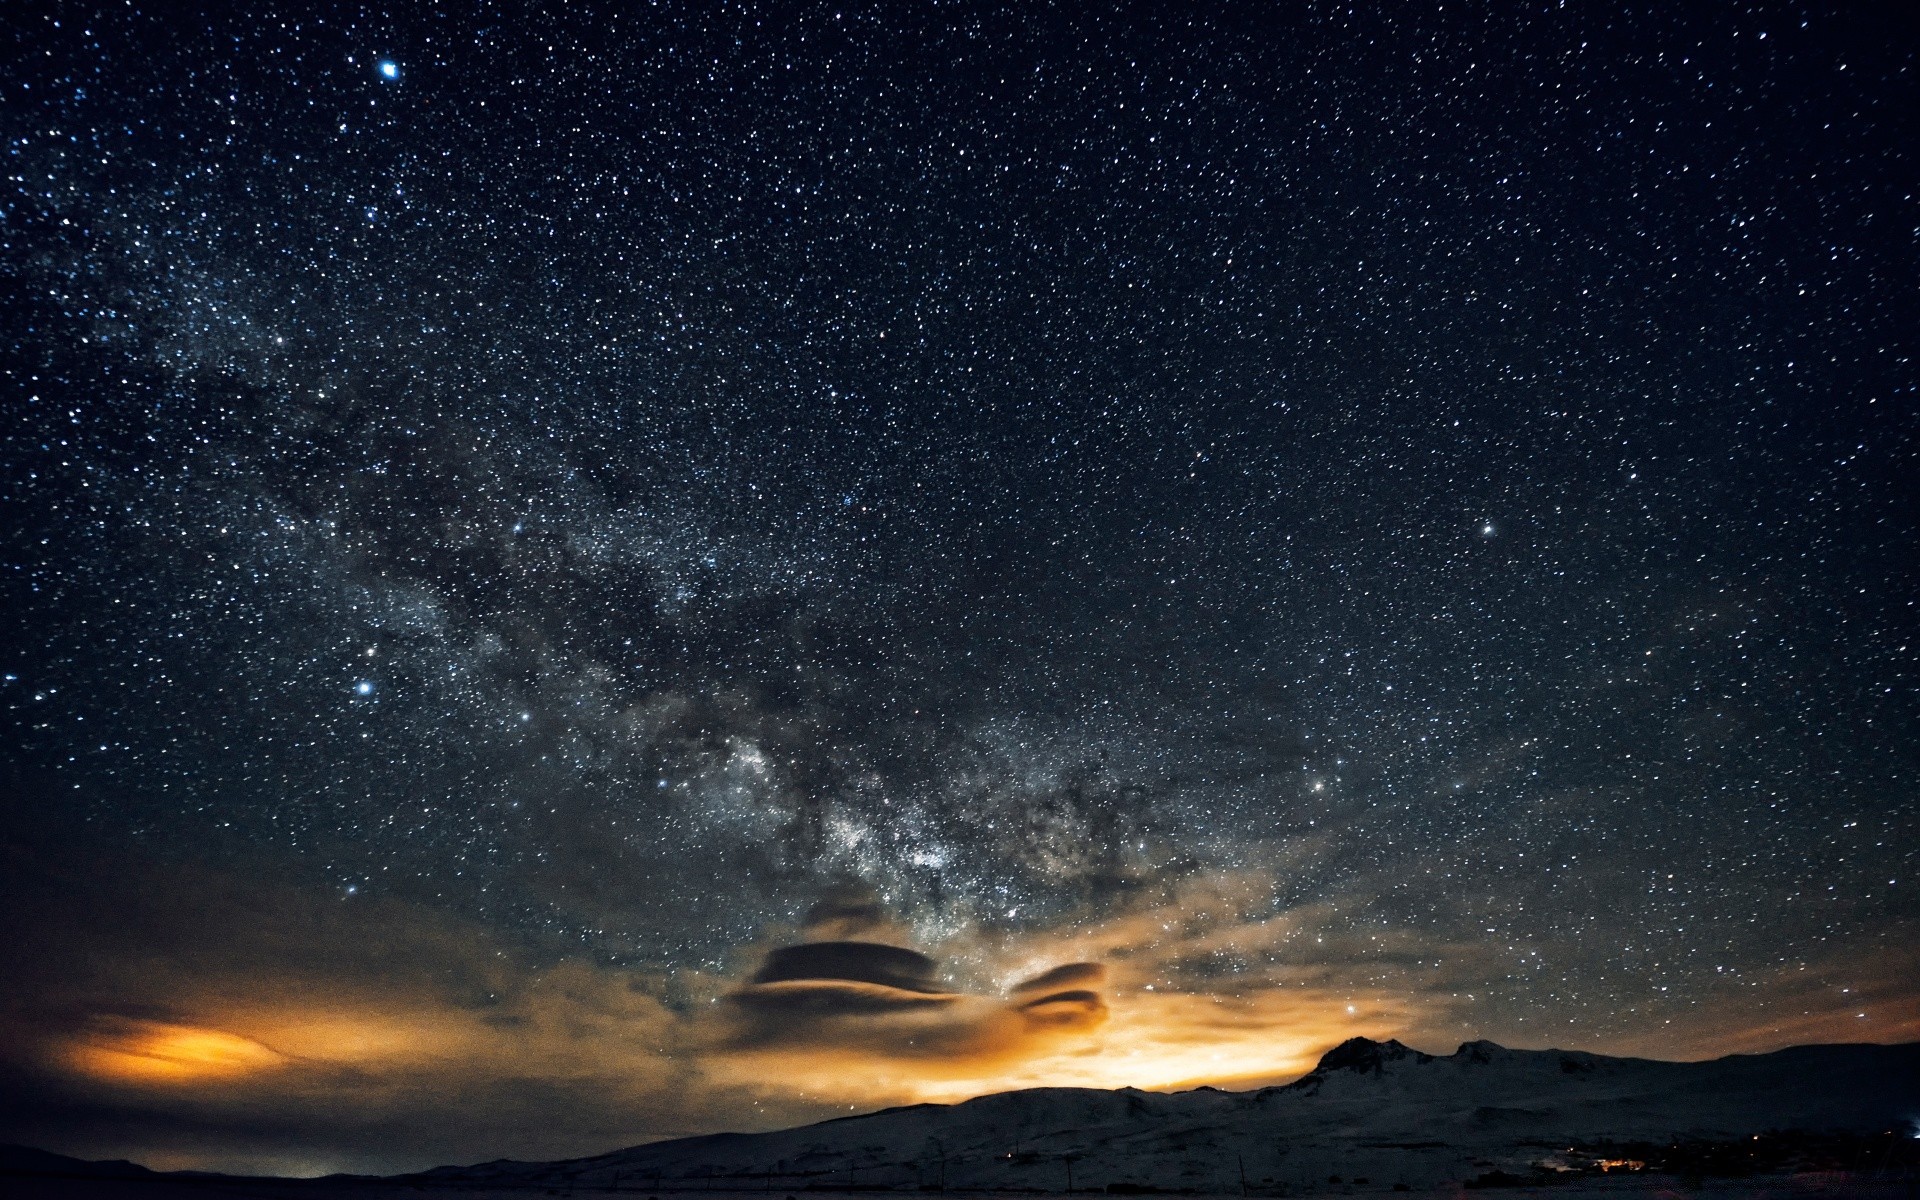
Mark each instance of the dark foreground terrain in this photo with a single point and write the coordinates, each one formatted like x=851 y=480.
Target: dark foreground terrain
x=1865 y=1185
x=1371 y=1117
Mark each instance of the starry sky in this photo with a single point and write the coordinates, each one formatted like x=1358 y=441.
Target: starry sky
x=582 y=574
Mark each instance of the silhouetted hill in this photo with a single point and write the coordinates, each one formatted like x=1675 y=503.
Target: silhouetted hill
x=1378 y=1111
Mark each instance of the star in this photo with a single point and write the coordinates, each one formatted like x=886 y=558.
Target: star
x=1010 y=496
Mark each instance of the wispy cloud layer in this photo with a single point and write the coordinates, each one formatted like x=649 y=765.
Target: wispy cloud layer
x=251 y=1024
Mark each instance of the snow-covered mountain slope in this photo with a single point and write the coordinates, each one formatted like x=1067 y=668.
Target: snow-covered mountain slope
x=1372 y=1111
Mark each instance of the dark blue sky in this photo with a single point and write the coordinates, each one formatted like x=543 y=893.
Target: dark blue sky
x=612 y=478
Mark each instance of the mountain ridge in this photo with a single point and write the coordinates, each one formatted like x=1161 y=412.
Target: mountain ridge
x=1368 y=1109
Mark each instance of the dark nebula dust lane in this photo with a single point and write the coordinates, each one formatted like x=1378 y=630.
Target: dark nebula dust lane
x=705 y=566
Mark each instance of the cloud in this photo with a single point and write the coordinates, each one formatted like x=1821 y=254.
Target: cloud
x=847 y=912
x=186 y=1015
x=191 y=1016
x=849 y=962
x=817 y=980
x=137 y=1050
x=817 y=1007
x=1067 y=975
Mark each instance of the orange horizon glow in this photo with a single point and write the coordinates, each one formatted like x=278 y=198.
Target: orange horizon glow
x=1100 y=1004
x=128 y=1050
x=1145 y=1039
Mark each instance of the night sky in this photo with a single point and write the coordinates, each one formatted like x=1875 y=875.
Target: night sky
x=1265 y=523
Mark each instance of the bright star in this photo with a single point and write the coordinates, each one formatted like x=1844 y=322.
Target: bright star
x=389 y=69
x=364 y=687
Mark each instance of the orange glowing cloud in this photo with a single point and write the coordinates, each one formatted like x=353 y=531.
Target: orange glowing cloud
x=849 y=1015
x=1136 y=1037
x=127 y=1050
x=862 y=1024
x=846 y=997
x=1201 y=982
x=270 y=1008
